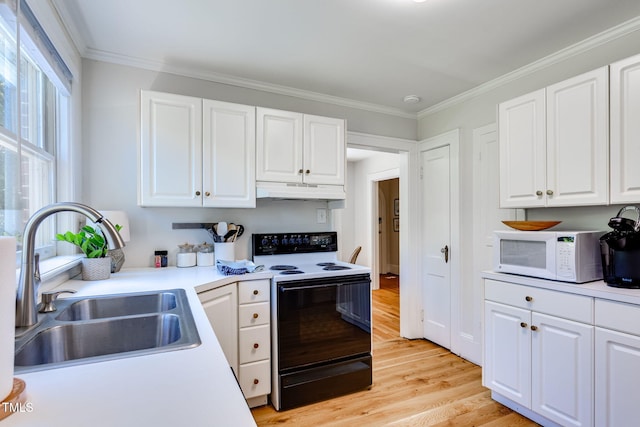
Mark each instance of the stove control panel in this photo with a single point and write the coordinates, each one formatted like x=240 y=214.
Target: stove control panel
x=291 y=243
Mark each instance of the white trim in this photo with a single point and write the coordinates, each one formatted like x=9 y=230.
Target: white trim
x=159 y=66
x=583 y=46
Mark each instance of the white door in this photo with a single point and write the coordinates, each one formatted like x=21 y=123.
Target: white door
x=436 y=249
x=625 y=130
x=170 y=171
x=324 y=150
x=617 y=378
x=221 y=308
x=522 y=151
x=278 y=145
x=562 y=370
x=578 y=140
x=229 y=140
x=507 y=360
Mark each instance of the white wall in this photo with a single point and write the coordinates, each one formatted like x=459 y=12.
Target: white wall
x=110 y=138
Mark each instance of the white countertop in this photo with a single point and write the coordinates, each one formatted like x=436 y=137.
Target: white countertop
x=191 y=387
x=598 y=289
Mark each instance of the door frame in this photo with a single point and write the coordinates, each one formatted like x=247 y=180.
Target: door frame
x=374 y=179
x=410 y=304
x=451 y=139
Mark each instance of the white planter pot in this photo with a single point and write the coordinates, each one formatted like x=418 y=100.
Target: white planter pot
x=96 y=268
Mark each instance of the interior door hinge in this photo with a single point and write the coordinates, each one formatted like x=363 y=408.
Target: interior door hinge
x=421 y=172
x=422 y=315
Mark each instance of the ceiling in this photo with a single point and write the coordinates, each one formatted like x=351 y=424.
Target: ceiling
x=364 y=53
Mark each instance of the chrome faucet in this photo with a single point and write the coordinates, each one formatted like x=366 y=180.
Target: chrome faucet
x=26 y=300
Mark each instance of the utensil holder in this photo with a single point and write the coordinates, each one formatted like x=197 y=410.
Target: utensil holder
x=224 y=251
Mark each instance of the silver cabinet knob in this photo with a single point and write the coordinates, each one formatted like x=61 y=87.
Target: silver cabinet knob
x=538 y=193
x=549 y=192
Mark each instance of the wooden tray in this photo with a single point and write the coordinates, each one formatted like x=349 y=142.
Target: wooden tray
x=531 y=225
x=17 y=395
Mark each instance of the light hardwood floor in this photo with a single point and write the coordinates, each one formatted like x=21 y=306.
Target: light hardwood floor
x=415 y=383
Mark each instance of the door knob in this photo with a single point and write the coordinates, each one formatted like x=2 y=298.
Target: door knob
x=445 y=251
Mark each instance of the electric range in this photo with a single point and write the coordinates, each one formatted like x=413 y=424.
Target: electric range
x=321 y=318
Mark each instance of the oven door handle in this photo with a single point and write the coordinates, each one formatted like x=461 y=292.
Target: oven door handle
x=302 y=288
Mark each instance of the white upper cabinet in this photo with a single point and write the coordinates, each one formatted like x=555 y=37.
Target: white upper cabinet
x=195 y=152
x=578 y=140
x=554 y=145
x=323 y=150
x=625 y=130
x=170 y=169
x=522 y=150
x=279 y=146
x=229 y=160
x=299 y=148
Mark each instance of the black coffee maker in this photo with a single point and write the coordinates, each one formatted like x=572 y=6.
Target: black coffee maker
x=620 y=251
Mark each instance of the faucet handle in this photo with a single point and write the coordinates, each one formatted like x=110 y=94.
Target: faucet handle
x=48 y=299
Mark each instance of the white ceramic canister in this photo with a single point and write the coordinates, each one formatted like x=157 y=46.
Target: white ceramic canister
x=185 y=256
x=225 y=251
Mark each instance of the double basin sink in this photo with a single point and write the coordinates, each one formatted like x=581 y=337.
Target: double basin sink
x=98 y=328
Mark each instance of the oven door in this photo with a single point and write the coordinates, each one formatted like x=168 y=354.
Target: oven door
x=323 y=320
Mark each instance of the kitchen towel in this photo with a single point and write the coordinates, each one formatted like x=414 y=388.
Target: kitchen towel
x=7 y=313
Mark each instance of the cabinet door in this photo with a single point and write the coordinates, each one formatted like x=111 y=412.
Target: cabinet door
x=229 y=137
x=578 y=140
x=221 y=307
x=617 y=370
x=522 y=151
x=170 y=169
x=507 y=360
x=562 y=370
x=278 y=146
x=625 y=130
x=323 y=150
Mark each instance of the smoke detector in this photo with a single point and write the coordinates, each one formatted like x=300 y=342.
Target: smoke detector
x=412 y=99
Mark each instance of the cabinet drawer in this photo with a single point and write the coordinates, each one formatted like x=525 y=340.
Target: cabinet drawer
x=253 y=291
x=254 y=343
x=255 y=379
x=555 y=303
x=253 y=314
x=619 y=316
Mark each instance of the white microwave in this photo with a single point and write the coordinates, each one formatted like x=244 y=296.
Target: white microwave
x=567 y=256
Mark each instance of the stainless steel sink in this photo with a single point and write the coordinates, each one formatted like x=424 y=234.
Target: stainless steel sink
x=87 y=330
x=121 y=305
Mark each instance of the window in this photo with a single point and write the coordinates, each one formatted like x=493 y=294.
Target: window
x=34 y=90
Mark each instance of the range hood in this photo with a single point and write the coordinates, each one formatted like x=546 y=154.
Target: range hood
x=290 y=191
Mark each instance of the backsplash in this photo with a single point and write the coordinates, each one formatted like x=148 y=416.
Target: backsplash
x=151 y=228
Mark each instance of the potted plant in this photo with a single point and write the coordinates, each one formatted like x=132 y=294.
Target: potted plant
x=96 y=265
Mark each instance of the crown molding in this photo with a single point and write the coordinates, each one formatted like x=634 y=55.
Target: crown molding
x=583 y=46
x=152 y=65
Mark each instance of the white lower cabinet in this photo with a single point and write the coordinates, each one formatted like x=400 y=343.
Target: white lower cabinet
x=617 y=366
x=240 y=316
x=539 y=351
x=221 y=306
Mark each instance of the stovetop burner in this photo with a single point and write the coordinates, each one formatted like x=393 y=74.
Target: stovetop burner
x=336 y=267
x=325 y=264
x=281 y=267
x=292 y=272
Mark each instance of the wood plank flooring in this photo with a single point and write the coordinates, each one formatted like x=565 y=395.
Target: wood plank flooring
x=415 y=383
